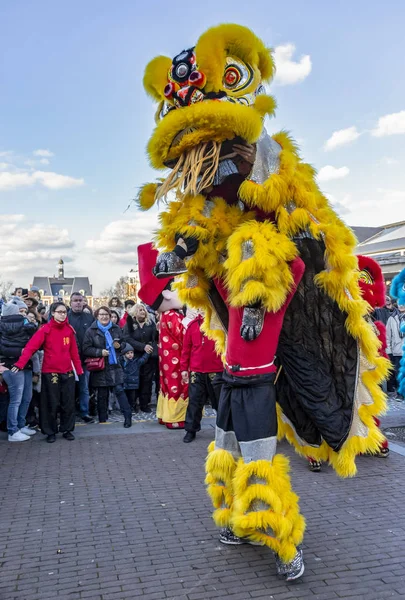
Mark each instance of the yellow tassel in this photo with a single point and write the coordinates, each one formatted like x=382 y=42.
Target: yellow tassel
x=146 y=197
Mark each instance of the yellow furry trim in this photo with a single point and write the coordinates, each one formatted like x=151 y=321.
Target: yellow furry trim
x=210 y=121
x=171 y=410
x=285 y=430
x=155 y=77
x=193 y=290
x=257 y=266
x=265 y=508
x=146 y=197
x=220 y=467
x=215 y=44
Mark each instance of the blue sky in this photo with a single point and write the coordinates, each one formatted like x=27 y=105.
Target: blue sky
x=71 y=88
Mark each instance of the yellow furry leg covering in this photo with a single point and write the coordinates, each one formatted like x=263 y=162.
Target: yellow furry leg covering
x=265 y=508
x=220 y=468
x=257 y=266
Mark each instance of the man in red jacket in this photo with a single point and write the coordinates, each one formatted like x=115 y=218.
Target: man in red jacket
x=58 y=341
x=201 y=368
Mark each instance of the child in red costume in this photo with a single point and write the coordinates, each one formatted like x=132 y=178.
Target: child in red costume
x=201 y=368
x=173 y=395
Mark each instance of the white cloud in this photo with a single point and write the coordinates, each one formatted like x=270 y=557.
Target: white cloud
x=12 y=180
x=341 y=206
x=393 y=124
x=43 y=153
x=119 y=239
x=388 y=161
x=328 y=173
x=342 y=137
x=289 y=71
x=28 y=246
x=391 y=196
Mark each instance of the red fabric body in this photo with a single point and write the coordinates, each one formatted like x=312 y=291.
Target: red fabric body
x=254 y=355
x=60 y=348
x=199 y=353
x=123 y=320
x=151 y=286
x=382 y=336
x=171 y=335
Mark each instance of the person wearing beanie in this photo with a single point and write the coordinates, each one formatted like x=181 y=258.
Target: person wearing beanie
x=15 y=332
x=131 y=367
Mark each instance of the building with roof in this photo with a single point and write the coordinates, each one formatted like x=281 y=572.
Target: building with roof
x=61 y=287
x=386 y=244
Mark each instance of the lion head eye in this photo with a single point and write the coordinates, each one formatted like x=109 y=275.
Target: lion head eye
x=238 y=75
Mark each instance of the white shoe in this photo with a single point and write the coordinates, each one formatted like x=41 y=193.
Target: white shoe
x=18 y=437
x=27 y=431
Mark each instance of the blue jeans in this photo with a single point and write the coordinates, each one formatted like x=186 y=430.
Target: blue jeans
x=20 y=392
x=84 y=396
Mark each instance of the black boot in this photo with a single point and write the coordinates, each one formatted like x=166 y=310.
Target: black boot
x=189 y=437
x=51 y=438
x=128 y=422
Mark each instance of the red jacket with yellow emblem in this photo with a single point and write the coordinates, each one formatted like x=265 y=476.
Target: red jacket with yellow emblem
x=60 y=348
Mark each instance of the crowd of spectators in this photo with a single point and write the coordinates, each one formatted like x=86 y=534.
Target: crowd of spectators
x=69 y=360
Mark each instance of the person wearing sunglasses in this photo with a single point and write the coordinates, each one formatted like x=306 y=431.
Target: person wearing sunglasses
x=57 y=340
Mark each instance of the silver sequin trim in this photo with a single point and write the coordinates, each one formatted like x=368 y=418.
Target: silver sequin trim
x=248 y=249
x=263 y=449
x=208 y=208
x=226 y=440
x=226 y=167
x=267 y=158
x=192 y=281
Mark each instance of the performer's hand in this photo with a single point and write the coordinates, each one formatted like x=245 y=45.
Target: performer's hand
x=246 y=151
x=15 y=369
x=105 y=353
x=184 y=376
x=35 y=378
x=3 y=368
x=148 y=349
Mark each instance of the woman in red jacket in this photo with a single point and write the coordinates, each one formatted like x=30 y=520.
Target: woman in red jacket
x=61 y=356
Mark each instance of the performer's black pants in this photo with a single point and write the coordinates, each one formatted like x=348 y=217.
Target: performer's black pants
x=202 y=387
x=102 y=401
x=147 y=374
x=57 y=393
x=392 y=383
x=247 y=407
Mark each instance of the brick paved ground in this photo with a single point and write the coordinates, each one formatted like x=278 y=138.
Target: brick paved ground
x=118 y=516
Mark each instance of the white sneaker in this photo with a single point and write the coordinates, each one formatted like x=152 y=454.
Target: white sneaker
x=18 y=437
x=27 y=431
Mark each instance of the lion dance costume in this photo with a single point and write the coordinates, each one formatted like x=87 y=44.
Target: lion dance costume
x=260 y=250
x=397 y=291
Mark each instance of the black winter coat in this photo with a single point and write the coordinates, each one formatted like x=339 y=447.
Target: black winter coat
x=15 y=332
x=93 y=345
x=131 y=370
x=80 y=321
x=139 y=337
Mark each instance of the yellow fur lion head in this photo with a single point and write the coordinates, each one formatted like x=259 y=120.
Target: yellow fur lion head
x=212 y=92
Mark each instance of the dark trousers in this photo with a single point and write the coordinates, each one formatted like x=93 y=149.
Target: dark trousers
x=102 y=401
x=202 y=387
x=146 y=376
x=392 y=383
x=57 y=393
x=31 y=417
x=131 y=397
